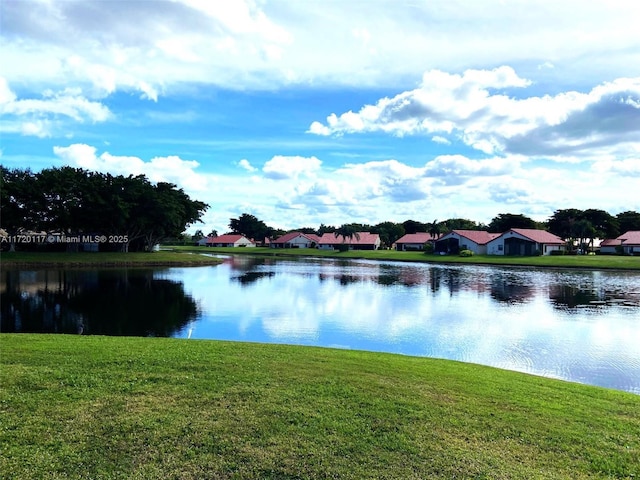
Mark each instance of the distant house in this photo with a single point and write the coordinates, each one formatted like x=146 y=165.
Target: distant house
x=203 y=241
x=456 y=240
x=525 y=241
x=610 y=245
x=296 y=240
x=413 y=241
x=230 y=240
x=360 y=241
x=629 y=242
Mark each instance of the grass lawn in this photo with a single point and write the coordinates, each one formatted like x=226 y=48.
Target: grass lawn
x=110 y=407
x=161 y=258
x=569 y=261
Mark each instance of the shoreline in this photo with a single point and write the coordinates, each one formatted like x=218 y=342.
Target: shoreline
x=590 y=262
x=105 y=259
x=173 y=256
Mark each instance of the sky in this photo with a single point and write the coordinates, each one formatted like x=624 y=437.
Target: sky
x=329 y=112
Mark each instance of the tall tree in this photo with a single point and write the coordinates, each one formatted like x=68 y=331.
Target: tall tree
x=605 y=224
x=413 y=226
x=389 y=232
x=628 y=221
x=506 y=221
x=322 y=229
x=435 y=229
x=347 y=231
x=562 y=221
x=462 y=224
x=76 y=201
x=249 y=226
x=584 y=232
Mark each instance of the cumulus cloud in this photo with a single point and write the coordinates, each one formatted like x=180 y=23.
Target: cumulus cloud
x=36 y=116
x=244 y=164
x=139 y=46
x=283 y=167
x=456 y=169
x=473 y=107
x=147 y=46
x=170 y=169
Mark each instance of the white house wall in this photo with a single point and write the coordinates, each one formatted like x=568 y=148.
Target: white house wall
x=300 y=242
x=466 y=244
x=497 y=247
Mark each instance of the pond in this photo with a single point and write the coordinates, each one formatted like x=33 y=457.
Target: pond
x=581 y=326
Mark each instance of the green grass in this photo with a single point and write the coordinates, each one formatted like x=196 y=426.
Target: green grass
x=106 y=407
x=161 y=258
x=569 y=261
x=188 y=255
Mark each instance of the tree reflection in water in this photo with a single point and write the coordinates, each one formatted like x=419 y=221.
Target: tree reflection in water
x=131 y=302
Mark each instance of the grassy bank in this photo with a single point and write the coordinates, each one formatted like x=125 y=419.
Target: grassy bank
x=570 y=261
x=106 y=259
x=197 y=256
x=106 y=407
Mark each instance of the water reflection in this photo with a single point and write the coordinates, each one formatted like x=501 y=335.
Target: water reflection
x=575 y=325
x=106 y=302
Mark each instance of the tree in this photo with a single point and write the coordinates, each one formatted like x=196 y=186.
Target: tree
x=506 y=221
x=562 y=221
x=322 y=229
x=389 y=232
x=76 y=201
x=413 y=226
x=584 y=232
x=605 y=224
x=462 y=224
x=628 y=221
x=347 y=231
x=249 y=226
x=435 y=229
x=213 y=233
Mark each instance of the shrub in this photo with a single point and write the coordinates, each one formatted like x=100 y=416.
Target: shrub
x=428 y=248
x=556 y=252
x=343 y=247
x=466 y=253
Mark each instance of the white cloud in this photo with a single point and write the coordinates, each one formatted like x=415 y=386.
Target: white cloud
x=455 y=169
x=467 y=105
x=171 y=168
x=244 y=164
x=148 y=46
x=440 y=140
x=283 y=167
x=36 y=117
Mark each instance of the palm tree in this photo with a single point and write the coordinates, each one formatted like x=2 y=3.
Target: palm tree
x=347 y=232
x=434 y=229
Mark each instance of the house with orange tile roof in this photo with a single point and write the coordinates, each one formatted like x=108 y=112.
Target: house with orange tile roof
x=296 y=240
x=360 y=241
x=230 y=240
x=629 y=242
x=525 y=241
x=456 y=240
x=413 y=241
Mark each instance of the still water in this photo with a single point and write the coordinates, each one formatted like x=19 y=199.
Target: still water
x=582 y=326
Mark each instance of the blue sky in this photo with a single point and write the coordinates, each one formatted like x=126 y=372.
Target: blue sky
x=312 y=112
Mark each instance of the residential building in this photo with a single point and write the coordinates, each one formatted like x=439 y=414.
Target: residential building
x=230 y=240
x=296 y=240
x=360 y=241
x=525 y=241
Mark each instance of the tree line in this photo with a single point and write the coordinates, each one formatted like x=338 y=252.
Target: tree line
x=577 y=226
x=132 y=211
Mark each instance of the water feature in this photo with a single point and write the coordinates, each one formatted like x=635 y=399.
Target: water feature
x=581 y=326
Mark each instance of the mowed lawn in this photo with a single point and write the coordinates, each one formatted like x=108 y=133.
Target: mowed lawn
x=132 y=408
